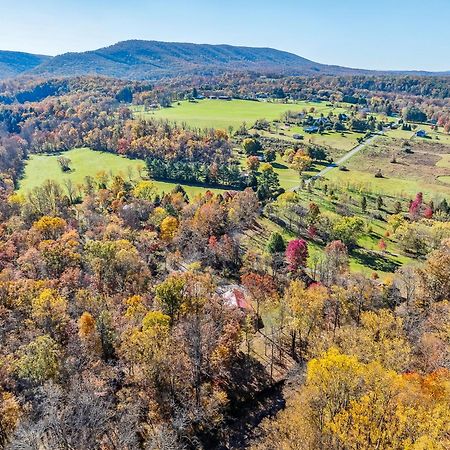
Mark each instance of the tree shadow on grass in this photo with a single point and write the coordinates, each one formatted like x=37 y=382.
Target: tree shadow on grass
x=374 y=261
x=279 y=166
x=318 y=166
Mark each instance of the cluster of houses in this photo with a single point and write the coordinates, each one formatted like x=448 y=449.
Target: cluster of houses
x=198 y=96
x=220 y=97
x=314 y=124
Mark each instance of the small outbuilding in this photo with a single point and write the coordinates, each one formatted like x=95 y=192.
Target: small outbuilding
x=311 y=129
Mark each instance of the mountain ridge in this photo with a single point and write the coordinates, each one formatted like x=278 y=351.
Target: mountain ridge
x=14 y=63
x=154 y=59
x=140 y=59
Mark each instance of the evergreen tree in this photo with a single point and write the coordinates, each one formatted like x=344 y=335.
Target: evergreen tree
x=379 y=202
x=276 y=243
x=364 y=204
x=443 y=206
x=268 y=183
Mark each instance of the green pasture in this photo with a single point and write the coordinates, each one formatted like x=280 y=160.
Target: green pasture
x=86 y=162
x=444 y=161
x=366 y=182
x=223 y=114
x=433 y=136
x=425 y=169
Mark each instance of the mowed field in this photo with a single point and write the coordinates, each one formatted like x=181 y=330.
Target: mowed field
x=222 y=113
x=339 y=143
x=426 y=168
x=86 y=162
x=433 y=136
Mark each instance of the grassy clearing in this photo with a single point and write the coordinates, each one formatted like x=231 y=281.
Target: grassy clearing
x=400 y=134
x=433 y=136
x=340 y=141
x=366 y=182
x=336 y=140
x=423 y=169
x=86 y=162
x=289 y=178
x=223 y=114
x=219 y=113
x=444 y=161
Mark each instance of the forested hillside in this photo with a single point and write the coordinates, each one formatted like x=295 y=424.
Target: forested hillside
x=268 y=308
x=151 y=60
x=16 y=63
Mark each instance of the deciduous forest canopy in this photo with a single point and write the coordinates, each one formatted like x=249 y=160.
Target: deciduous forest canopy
x=217 y=247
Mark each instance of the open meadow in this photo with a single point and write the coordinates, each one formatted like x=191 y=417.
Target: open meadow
x=83 y=162
x=432 y=135
x=407 y=167
x=231 y=113
x=86 y=162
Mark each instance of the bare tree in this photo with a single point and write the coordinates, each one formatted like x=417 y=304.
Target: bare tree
x=407 y=279
x=64 y=163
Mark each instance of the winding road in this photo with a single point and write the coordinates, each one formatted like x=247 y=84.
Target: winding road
x=345 y=158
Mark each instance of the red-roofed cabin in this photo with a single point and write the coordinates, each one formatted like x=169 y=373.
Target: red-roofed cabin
x=236 y=298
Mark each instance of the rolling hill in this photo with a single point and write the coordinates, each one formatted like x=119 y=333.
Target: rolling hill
x=16 y=63
x=152 y=59
x=137 y=59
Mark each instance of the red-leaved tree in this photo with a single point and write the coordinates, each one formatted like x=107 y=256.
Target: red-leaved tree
x=428 y=213
x=296 y=254
x=415 y=206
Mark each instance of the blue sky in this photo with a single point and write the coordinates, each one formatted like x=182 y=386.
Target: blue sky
x=380 y=34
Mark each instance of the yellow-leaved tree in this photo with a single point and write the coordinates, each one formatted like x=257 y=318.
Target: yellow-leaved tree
x=380 y=337
x=49 y=310
x=302 y=309
x=169 y=227
x=50 y=227
x=301 y=161
x=145 y=190
x=10 y=413
x=145 y=347
x=136 y=308
x=347 y=404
